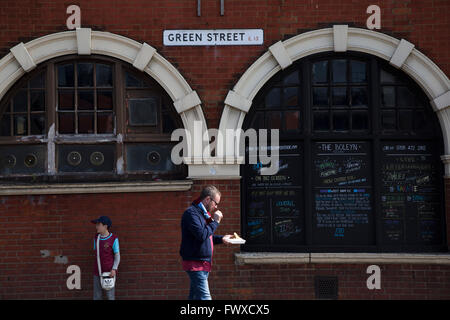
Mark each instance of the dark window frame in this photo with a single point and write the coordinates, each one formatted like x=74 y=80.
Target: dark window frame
x=120 y=136
x=375 y=136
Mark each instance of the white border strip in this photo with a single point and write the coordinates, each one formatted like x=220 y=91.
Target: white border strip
x=107 y=187
x=348 y=258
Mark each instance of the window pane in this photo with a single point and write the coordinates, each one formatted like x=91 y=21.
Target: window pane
x=86 y=100
x=321 y=121
x=66 y=122
x=37 y=100
x=339 y=69
x=149 y=157
x=132 y=81
x=290 y=97
x=22 y=159
x=85 y=74
x=6 y=125
x=168 y=123
x=405 y=120
x=340 y=96
x=388 y=96
x=359 y=96
x=38 y=124
x=143 y=112
x=422 y=121
x=273 y=120
x=360 y=121
x=85 y=123
x=405 y=97
x=38 y=82
x=292 y=78
x=258 y=121
x=86 y=158
x=341 y=121
x=273 y=98
x=320 y=72
x=104 y=100
x=105 y=123
x=104 y=75
x=20 y=101
x=65 y=75
x=386 y=77
x=358 y=71
x=388 y=120
x=320 y=96
x=292 y=120
x=20 y=125
x=66 y=100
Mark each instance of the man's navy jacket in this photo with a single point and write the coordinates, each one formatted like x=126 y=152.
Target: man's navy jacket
x=195 y=235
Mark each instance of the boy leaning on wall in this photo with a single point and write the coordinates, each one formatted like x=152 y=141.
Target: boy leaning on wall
x=109 y=255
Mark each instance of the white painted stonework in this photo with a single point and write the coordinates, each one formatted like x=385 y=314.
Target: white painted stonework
x=400 y=53
x=24 y=57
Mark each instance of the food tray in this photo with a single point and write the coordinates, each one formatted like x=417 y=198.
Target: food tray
x=236 y=241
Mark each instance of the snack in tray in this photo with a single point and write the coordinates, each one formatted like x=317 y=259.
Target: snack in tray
x=235 y=236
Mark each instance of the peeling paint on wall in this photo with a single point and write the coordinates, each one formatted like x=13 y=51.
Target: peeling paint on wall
x=45 y=253
x=59 y=258
x=51 y=150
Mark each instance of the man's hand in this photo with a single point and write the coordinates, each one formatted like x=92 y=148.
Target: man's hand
x=226 y=238
x=218 y=216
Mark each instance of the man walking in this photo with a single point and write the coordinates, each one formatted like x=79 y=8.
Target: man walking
x=198 y=225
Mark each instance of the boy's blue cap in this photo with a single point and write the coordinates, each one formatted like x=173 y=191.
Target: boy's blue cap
x=104 y=220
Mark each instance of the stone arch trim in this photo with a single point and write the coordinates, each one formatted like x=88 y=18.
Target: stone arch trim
x=83 y=41
x=339 y=38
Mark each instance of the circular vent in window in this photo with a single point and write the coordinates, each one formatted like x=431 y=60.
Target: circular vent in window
x=74 y=158
x=153 y=157
x=97 y=158
x=30 y=160
x=9 y=161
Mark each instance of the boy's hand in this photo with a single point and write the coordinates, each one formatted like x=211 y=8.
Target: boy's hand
x=113 y=273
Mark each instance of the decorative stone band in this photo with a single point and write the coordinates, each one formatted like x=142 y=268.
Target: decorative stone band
x=106 y=187
x=349 y=258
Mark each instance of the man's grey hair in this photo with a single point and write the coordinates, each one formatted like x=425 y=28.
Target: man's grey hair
x=209 y=191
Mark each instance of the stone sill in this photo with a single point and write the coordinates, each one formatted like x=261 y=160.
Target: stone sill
x=347 y=258
x=104 y=187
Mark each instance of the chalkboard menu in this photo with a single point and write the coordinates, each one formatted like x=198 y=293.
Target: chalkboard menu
x=343 y=193
x=274 y=203
x=289 y=169
x=391 y=199
x=410 y=199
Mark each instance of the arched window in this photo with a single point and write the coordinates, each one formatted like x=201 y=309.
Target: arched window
x=90 y=118
x=359 y=166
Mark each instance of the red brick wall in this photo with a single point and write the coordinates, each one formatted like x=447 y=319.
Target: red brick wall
x=148 y=226
x=148 y=223
x=213 y=71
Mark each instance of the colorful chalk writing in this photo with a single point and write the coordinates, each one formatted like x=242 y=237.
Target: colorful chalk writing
x=410 y=199
x=342 y=193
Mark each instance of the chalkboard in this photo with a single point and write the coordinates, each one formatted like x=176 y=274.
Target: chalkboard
x=342 y=164
x=410 y=199
x=342 y=184
x=274 y=203
x=275 y=215
x=289 y=169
